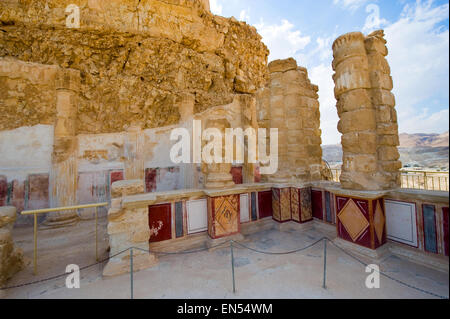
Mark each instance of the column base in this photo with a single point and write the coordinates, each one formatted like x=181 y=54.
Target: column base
x=222 y=243
x=60 y=220
x=121 y=264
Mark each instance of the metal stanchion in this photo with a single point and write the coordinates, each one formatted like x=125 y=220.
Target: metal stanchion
x=324 y=286
x=131 y=272
x=96 y=233
x=35 y=245
x=232 y=266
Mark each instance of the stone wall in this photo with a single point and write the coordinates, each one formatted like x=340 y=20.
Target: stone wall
x=290 y=103
x=368 y=120
x=128 y=228
x=138 y=60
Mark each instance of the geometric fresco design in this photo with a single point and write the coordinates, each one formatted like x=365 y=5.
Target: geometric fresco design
x=226 y=215
x=285 y=204
x=379 y=222
x=295 y=203
x=353 y=220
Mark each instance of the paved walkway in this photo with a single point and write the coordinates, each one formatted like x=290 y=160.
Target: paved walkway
x=208 y=274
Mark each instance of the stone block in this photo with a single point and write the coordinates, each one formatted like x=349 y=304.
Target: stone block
x=282 y=65
x=127 y=187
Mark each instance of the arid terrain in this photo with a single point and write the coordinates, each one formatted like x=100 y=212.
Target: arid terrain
x=416 y=150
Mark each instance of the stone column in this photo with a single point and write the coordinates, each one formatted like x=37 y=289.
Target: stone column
x=278 y=117
x=218 y=175
x=134 y=153
x=367 y=117
x=384 y=103
x=247 y=103
x=128 y=227
x=186 y=108
x=294 y=109
x=64 y=171
x=11 y=258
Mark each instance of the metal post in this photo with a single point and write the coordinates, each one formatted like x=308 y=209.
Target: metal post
x=131 y=272
x=324 y=286
x=96 y=234
x=232 y=266
x=35 y=245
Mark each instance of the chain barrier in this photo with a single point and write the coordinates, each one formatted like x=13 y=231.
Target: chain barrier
x=386 y=275
x=242 y=246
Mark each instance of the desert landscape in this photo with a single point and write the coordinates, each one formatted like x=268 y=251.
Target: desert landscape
x=417 y=151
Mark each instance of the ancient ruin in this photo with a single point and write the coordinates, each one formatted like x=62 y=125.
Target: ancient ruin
x=368 y=120
x=88 y=111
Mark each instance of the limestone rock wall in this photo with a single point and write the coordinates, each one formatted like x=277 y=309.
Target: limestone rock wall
x=290 y=103
x=137 y=59
x=368 y=119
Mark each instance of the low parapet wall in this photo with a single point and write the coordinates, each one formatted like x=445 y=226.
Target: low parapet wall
x=367 y=219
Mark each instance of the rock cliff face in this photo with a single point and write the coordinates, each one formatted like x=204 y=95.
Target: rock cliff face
x=138 y=59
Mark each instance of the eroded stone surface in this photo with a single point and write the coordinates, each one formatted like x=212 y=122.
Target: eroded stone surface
x=11 y=258
x=366 y=107
x=290 y=103
x=137 y=59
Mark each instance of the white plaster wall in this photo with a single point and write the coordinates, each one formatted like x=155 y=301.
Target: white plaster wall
x=111 y=143
x=26 y=150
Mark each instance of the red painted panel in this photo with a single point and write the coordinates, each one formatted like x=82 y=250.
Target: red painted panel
x=237 y=175
x=446 y=239
x=150 y=179
x=38 y=191
x=3 y=190
x=317 y=206
x=160 y=222
x=265 y=204
x=116 y=176
x=18 y=195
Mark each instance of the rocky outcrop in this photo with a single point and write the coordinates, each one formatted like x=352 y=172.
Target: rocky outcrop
x=137 y=59
x=11 y=258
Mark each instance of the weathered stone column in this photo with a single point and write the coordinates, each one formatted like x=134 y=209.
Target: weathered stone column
x=218 y=175
x=64 y=172
x=11 y=258
x=384 y=104
x=366 y=109
x=134 y=153
x=294 y=109
x=249 y=121
x=128 y=227
x=186 y=108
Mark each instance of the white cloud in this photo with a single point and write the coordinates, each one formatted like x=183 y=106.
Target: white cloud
x=373 y=20
x=419 y=59
x=282 y=39
x=322 y=76
x=244 y=16
x=216 y=8
x=352 y=5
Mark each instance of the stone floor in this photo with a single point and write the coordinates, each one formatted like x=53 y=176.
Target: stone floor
x=208 y=274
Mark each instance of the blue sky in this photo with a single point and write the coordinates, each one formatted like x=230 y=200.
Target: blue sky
x=418 y=41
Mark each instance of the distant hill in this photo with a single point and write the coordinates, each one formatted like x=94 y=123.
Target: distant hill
x=424 y=140
x=416 y=150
